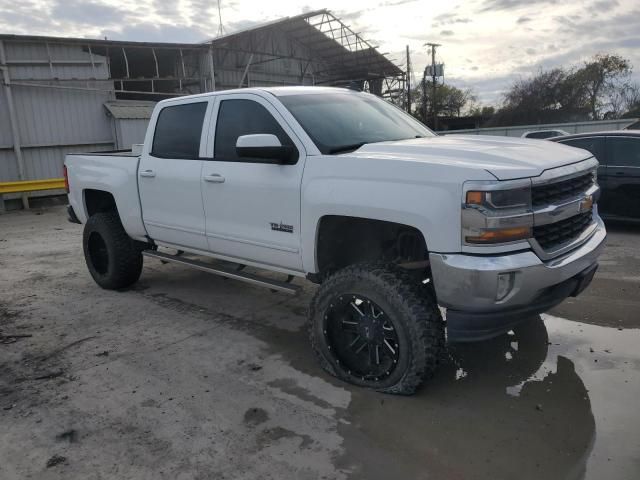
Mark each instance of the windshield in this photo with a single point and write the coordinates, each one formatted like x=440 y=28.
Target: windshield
x=340 y=122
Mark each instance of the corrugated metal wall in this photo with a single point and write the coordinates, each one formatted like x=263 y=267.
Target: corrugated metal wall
x=288 y=70
x=53 y=121
x=130 y=131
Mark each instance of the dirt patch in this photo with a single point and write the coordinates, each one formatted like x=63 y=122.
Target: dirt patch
x=255 y=416
x=270 y=436
x=56 y=460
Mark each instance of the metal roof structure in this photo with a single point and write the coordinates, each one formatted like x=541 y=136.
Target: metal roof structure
x=346 y=56
x=64 y=95
x=324 y=49
x=130 y=109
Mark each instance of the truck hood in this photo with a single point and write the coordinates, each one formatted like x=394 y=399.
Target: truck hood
x=504 y=157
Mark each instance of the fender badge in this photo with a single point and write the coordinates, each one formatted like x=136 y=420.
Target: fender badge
x=281 y=227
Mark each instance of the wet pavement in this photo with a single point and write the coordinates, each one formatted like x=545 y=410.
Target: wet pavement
x=535 y=404
x=192 y=376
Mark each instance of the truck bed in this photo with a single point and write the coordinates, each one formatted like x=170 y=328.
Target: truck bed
x=115 y=172
x=109 y=153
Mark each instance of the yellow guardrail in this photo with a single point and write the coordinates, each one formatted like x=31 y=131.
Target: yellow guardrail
x=31 y=185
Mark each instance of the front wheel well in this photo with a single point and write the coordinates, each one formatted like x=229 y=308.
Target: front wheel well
x=344 y=241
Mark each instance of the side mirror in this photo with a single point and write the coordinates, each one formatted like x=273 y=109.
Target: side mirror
x=264 y=146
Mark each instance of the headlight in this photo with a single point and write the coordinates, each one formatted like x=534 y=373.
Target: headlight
x=496 y=214
x=500 y=199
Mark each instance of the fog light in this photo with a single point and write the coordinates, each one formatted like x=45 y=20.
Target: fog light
x=505 y=284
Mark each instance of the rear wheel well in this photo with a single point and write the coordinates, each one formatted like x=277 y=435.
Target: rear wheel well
x=99 y=201
x=344 y=241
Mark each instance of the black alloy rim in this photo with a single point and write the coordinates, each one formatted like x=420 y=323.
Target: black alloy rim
x=98 y=253
x=361 y=337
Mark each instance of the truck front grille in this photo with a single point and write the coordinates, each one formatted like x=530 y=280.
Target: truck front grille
x=553 y=235
x=550 y=193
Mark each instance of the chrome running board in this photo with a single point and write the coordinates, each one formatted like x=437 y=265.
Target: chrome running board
x=226 y=272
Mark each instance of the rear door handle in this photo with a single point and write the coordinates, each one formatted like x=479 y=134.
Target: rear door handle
x=214 y=178
x=147 y=173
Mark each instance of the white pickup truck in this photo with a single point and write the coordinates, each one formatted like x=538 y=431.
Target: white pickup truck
x=350 y=192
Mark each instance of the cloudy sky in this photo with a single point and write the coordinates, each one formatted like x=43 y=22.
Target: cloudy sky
x=486 y=44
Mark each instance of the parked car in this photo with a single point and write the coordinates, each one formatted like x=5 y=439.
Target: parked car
x=619 y=172
x=352 y=193
x=542 y=134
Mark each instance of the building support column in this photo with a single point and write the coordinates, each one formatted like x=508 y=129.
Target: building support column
x=13 y=120
x=246 y=71
x=211 y=70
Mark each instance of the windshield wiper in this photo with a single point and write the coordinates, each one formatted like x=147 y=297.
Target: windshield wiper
x=346 y=148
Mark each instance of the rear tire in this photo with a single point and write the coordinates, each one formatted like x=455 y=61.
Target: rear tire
x=382 y=306
x=113 y=258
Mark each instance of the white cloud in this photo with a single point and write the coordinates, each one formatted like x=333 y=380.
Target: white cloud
x=486 y=44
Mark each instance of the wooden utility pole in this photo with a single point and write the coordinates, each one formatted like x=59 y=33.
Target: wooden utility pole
x=408 y=82
x=434 y=113
x=424 y=96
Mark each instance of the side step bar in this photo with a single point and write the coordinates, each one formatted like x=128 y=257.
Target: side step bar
x=226 y=272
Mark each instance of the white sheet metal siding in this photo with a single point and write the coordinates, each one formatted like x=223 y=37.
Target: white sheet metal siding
x=130 y=119
x=53 y=121
x=61 y=117
x=576 y=127
x=230 y=66
x=130 y=131
x=46 y=161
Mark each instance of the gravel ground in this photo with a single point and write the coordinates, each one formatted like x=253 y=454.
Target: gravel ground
x=191 y=376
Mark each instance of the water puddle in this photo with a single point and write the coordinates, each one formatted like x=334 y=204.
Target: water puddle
x=552 y=399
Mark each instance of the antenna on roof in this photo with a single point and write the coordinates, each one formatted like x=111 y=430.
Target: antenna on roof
x=221 y=31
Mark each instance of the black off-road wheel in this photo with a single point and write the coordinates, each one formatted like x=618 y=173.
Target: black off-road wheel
x=372 y=325
x=113 y=258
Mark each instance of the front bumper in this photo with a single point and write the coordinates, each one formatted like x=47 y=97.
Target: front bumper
x=467 y=286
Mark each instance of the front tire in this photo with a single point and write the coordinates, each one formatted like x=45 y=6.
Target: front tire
x=372 y=325
x=114 y=259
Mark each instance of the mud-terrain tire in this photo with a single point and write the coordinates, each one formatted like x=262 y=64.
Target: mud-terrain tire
x=113 y=258
x=412 y=328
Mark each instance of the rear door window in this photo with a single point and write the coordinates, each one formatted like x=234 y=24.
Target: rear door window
x=595 y=145
x=624 y=151
x=178 y=131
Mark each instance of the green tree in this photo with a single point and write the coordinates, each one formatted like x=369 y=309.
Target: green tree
x=450 y=101
x=599 y=79
x=589 y=92
x=546 y=97
x=482 y=111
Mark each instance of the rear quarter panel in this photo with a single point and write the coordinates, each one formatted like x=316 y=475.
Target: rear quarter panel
x=115 y=174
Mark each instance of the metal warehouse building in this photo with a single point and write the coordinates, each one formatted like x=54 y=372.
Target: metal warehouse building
x=64 y=95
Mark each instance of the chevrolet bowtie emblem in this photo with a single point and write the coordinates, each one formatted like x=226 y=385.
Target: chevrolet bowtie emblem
x=586 y=203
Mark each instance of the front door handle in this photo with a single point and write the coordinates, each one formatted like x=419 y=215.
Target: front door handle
x=214 y=178
x=147 y=173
